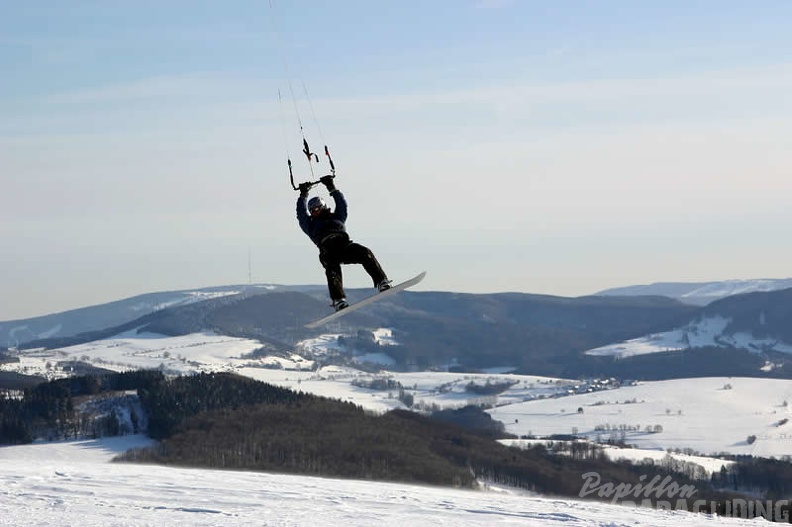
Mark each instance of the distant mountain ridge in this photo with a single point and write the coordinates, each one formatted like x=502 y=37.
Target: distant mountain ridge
x=632 y=337
x=99 y=317
x=93 y=318
x=700 y=293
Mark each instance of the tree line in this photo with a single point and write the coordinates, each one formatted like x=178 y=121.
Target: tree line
x=49 y=410
x=769 y=477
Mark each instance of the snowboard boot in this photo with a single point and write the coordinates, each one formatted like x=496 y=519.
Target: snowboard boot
x=384 y=285
x=340 y=304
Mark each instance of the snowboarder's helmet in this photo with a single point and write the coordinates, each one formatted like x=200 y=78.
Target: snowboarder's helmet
x=316 y=204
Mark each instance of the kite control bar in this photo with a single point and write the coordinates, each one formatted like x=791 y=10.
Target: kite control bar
x=311 y=157
x=309 y=183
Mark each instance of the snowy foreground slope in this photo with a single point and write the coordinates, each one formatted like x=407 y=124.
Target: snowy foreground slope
x=73 y=483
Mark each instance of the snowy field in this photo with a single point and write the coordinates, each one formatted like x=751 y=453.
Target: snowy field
x=74 y=483
x=708 y=415
x=131 y=351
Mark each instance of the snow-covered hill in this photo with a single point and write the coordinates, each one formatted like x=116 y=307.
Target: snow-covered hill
x=699 y=414
x=73 y=483
x=701 y=332
x=700 y=293
x=94 y=318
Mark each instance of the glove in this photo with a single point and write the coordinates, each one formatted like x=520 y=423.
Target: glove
x=304 y=188
x=328 y=182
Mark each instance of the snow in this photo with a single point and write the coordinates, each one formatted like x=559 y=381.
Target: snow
x=639 y=455
x=130 y=350
x=635 y=455
x=707 y=331
x=726 y=288
x=73 y=483
x=697 y=293
x=697 y=414
x=384 y=337
x=321 y=345
x=706 y=415
x=182 y=298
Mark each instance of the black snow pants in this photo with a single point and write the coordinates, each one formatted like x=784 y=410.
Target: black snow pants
x=339 y=249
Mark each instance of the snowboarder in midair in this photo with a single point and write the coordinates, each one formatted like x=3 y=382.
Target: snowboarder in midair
x=327 y=230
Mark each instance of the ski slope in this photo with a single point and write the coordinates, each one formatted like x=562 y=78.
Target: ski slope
x=74 y=483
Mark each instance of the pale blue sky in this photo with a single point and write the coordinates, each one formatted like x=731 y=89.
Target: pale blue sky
x=557 y=147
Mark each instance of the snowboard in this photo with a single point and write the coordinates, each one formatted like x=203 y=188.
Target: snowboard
x=366 y=301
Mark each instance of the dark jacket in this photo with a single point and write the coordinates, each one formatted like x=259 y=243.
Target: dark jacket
x=329 y=224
